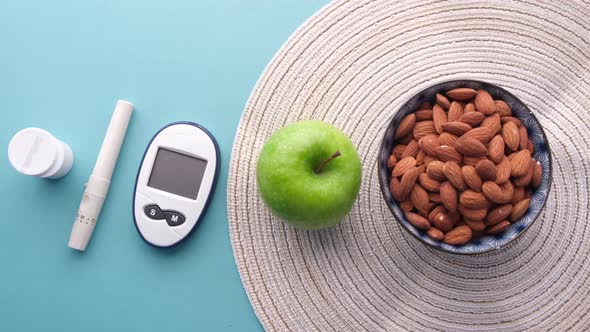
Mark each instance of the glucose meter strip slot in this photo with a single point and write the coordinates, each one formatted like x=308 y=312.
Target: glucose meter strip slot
x=100 y=180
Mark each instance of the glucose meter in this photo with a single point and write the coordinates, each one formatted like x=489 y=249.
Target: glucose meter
x=175 y=182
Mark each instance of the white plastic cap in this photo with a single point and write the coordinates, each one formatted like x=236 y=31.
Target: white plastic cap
x=35 y=152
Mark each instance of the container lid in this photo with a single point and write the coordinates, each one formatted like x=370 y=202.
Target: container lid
x=32 y=151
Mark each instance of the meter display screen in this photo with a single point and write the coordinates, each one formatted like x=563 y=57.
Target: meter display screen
x=177 y=173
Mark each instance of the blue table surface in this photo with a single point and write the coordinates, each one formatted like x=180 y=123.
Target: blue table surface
x=63 y=65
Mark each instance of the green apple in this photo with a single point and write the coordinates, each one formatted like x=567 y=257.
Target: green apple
x=309 y=174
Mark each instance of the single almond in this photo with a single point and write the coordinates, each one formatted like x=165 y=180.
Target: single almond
x=453 y=173
x=391 y=161
x=439 y=117
x=443 y=222
x=530 y=146
x=411 y=149
x=493 y=123
x=537 y=175
x=520 y=163
x=402 y=166
x=493 y=192
x=484 y=102
x=502 y=108
x=475 y=225
x=469 y=107
x=511 y=135
x=458 y=235
x=496 y=149
x=407 y=183
x=473 y=200
x=524 y=137
x=435 y=212
x=507 y=192
x=472 y=161
x=448 y=153
x=420 y=157
x=398 y=150
x=525 y=180
x=472 y=180
x=520 y=209
x=473 y=214
x=406 y=206
x=498 y=214
x=448 y=196
x=447 y=139
x=429 y=143
x=405 y=126
x=504 y=120
x=429 y=183
x=420 y=199
x=482 y=134
x=486 y=170
x=435 y=234
x=436 y=170
x=503 y=171
x=443 y=101
x=417 y=221
x=423 y=128
x=456 y=128
x=425 y=106
x=395 y=189
x=455 y=111
x=439 y=218
x=434 y=197
x=471 y=147
x=518 y=195
x=472 y=118
x=461 y=93
x=423 y=115
x=498 y=228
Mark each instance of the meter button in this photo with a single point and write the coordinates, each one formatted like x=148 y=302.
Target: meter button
x=174 y=218
x=153 y=212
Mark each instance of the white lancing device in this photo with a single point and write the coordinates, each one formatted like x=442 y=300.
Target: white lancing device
x=100 y=180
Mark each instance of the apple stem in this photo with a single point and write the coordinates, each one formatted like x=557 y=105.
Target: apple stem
x=318 y=168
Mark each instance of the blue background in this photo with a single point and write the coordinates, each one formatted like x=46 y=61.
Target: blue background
x=63 y=65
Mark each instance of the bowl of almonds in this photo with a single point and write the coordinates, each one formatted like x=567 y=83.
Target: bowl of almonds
x=465 y=167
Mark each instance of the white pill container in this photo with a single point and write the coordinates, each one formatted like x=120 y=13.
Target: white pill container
x=35 y=152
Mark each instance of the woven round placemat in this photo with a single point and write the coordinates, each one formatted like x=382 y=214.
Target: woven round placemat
x=353 y=64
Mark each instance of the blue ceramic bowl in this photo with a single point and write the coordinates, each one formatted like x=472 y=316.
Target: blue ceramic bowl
x=542 y=154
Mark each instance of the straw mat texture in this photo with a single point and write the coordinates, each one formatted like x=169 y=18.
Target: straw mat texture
x=353 y=64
